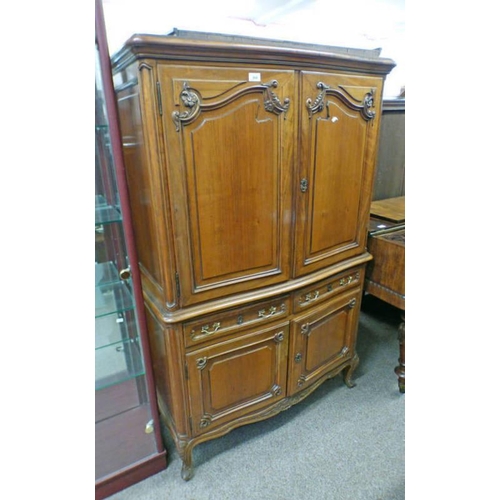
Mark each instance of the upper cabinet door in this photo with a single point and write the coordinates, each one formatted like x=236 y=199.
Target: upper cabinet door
x=229 y=147
x=339 y=116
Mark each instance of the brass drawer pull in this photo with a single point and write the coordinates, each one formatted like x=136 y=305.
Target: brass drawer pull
x=349 y=279
x=272 y=310
x=264 y=314
x=311 y=296
x=346 y=281
x=205 y=330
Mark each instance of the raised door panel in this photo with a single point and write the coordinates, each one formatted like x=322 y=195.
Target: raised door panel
x=338 y=123
x=322 y=340
x=230 y=379
x=230 y=149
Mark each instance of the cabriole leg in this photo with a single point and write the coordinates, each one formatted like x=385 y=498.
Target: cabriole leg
x=187 y=471
x=350 y=370
x=400 y=370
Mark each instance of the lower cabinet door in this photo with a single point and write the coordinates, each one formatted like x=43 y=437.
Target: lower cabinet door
x=230 y=379
x=322 y=339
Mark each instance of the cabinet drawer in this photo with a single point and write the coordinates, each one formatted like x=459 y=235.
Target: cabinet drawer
x=235 y=320
x=325 y=289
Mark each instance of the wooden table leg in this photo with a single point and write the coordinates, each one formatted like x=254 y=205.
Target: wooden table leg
x=400 y=370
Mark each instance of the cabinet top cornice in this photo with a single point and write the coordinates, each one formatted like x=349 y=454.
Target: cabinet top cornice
x=207 y=47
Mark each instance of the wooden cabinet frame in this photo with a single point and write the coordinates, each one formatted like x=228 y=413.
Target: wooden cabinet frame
x=250 y=166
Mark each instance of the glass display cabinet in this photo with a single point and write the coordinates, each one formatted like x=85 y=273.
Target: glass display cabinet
x=128 y=445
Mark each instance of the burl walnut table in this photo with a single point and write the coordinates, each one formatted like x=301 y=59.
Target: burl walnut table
x=385 y=274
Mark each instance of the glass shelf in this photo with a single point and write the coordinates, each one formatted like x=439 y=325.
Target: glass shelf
x=114 y=328
x=106 y=274
x=107 y=215
x=112 y=298
x=100 y=201
x=117 y=363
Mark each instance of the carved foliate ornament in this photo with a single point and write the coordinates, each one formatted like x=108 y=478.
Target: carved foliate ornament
x=272 y=102
x=191 y=100
x=365 y=108
x=205 y=421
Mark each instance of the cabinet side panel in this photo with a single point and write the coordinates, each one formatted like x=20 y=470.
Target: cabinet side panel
x=137 y=178
x=167 y=355
x=138 y=110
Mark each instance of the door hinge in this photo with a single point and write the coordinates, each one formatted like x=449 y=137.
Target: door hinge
x=158 y=95
x=177 y=285
x=186 y=371
x=304 y=184
x=191 y=424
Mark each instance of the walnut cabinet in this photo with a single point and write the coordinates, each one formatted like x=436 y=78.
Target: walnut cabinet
x=250 y=168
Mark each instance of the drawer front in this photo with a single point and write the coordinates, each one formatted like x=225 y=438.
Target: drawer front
x=325 y=289
x=235 y=320
x=235 y=377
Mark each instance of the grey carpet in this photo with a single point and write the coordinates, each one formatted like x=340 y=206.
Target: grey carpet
x=338 y=444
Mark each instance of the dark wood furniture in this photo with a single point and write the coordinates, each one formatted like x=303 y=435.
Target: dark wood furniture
x=250 y=168
x=128 y=442
x=385 y=274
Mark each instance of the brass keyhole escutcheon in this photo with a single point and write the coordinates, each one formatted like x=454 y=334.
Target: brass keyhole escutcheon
x=279 y=337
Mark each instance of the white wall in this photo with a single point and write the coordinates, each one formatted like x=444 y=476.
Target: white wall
x=348 y=23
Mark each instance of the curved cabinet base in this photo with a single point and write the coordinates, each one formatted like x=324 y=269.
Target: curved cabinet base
x=185 y=446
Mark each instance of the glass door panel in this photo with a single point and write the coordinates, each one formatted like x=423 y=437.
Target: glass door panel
x=123 y=415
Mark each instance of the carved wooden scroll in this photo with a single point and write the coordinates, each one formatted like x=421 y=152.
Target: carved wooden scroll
x=191 y=100
x=365 y=107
